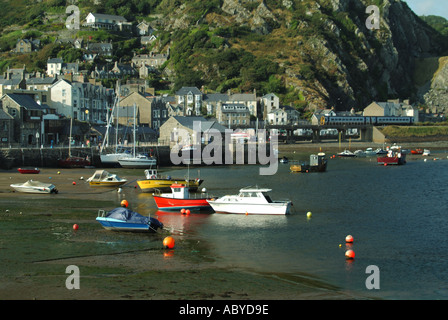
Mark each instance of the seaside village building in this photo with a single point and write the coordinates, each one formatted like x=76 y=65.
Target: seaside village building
x=81 y=100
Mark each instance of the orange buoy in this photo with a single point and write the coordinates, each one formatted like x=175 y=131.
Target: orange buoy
x=168 y=242
x=350 y=254
x=75 y=227
x=349 y=239
x=187 y=211
x=182 y=211
x=74 y=183
x=124 y=203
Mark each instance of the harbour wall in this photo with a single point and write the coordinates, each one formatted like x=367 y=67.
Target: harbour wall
x=48 y=157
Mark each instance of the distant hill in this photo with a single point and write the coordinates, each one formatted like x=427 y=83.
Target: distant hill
x=311 y=53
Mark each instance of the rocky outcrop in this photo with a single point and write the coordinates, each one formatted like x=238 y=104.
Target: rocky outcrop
x=437 y=96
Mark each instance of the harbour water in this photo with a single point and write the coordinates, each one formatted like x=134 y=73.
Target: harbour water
x=396 y=214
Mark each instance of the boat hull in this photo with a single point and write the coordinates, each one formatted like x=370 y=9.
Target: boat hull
x=106 y=183
x=166 y=203
x=119 y=225
x=137 y=163
x=28 y=171
x=111 y=159
x=392 y=160
x=74 y=162
x=275 y=208
x=39 y=188
x=151 y=185
x=308 y=168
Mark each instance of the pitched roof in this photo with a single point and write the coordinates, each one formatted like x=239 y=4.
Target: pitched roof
x=185 y=90
x=108 y=16
x=25 y=101
x=205 y=124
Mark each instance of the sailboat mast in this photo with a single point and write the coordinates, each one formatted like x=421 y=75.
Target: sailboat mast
x=134 y=129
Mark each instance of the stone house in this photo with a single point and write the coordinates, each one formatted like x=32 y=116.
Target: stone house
x=27 y=117
x=151 y=111
x=233 y=114
x=6 y=129
x=170 y=130
x=27 y=45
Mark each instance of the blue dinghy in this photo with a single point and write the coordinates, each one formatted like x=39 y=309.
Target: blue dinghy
x=123 y=219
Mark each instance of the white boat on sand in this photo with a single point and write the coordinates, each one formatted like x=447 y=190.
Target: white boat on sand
x=32 y=186
x=102 y=178
x=250 y=200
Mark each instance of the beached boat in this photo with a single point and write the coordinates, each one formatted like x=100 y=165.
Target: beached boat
x=32 y=186
x=346 y=154
x=250 y=200
x=74 y=162
x=155 y=182
x=392 y=158
x=102 y=178
x=179 y=198
x=123 y=219
x=417 y=151
x=28 y=170
x=426 y=152
x=318 y=163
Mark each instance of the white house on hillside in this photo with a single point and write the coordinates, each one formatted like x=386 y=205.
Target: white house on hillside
x=107 y=21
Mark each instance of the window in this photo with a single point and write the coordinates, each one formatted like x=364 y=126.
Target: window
x=63 y=92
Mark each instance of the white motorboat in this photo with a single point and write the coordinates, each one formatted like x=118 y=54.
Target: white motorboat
x=426 y=152
x=32 y=186
x=102 y=178
x=250 y=200
x=346 y=153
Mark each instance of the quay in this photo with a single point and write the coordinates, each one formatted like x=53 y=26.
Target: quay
x=47 y=157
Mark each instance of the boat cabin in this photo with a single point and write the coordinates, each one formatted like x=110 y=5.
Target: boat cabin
x=255 y=195
x=180 y=191
x=151 y=173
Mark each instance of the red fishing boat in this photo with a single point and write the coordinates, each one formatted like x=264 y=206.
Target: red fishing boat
x=180 y=199
x=417 y=151
x=392 y=158
x=28 y=170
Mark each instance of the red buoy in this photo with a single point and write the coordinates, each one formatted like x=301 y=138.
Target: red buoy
x=182 y=211
x=187 y=211
x=124 y=203
x=349 y=239
x=168 y=242
x=75 y=227
x=350 y=254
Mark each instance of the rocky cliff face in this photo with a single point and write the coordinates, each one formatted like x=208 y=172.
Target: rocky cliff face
x=326 y=51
